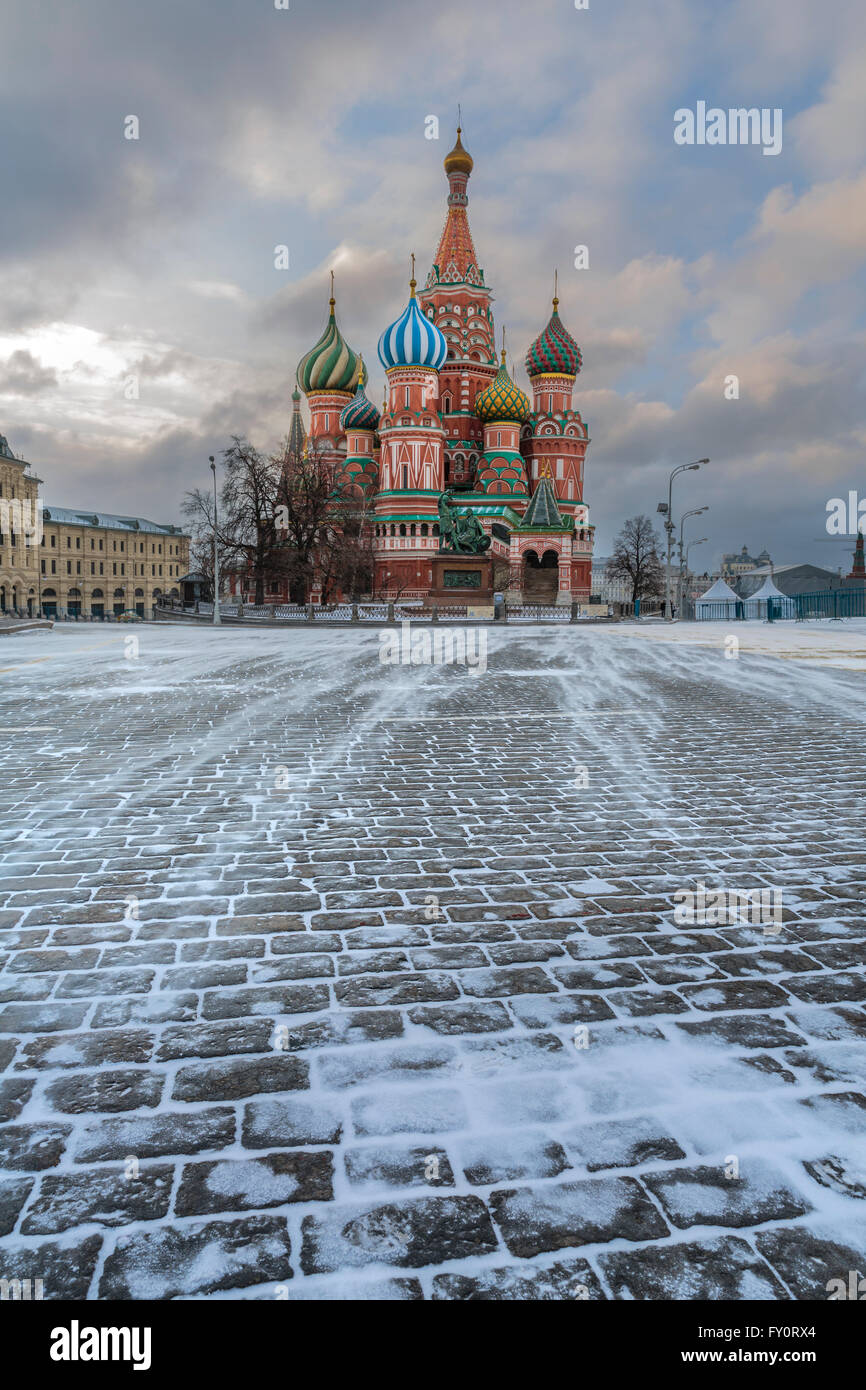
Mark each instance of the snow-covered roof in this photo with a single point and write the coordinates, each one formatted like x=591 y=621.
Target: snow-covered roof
x=107 y=521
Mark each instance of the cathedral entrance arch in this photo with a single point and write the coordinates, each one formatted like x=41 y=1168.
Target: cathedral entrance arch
x=540 y=576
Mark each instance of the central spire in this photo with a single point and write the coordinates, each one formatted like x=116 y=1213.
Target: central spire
x=456 y=261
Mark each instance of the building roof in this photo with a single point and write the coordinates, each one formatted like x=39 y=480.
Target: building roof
x=542 y=514
x=107 y=521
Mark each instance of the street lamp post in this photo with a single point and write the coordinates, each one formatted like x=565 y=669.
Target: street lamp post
x=695 y=511
x=688 y=548
x=216 y=562
x=669 y=527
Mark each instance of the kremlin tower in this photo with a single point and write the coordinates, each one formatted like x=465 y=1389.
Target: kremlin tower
x=454 y=418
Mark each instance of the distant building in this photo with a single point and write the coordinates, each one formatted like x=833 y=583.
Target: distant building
x=616 y=590
x=742 y=563
x=789 y=579
x=58 y=563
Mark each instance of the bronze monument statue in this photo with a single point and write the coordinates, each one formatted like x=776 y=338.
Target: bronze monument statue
x=460 y=532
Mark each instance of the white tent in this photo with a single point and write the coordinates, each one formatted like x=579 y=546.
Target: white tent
x=720 y=601
x=756 y=604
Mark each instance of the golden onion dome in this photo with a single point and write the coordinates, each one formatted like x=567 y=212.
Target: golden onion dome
x=458 y=161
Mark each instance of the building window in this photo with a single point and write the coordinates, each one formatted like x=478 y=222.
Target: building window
x=68 y=542
x=423 y=528
x=53 y=541
x=114 y=567
x=53 y=566
x=405 y=476
x=100 y=547
x=122 y=568
x=92 y=543
x=43 y=566
x=100 y=564
x=77 y=566
x=68 y=566
x=92 y=566
x=77 y=542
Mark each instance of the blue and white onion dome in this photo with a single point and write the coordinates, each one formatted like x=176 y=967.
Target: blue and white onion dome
x=360 y=413
x=413 y=340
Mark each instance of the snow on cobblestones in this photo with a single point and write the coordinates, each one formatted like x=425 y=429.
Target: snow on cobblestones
x=323 y=979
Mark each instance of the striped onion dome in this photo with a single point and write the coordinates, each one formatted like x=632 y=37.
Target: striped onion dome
x=554 y=352
x=360 y=413
x=502 y=400
x=413 y=341
x=331 y=365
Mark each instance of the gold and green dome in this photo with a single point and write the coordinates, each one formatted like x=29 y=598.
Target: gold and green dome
x=331 y=365
x=502 y=400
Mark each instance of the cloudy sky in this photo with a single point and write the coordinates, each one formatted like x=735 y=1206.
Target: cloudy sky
x=151 y=261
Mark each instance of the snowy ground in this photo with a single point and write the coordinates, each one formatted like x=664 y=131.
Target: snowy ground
x=840 y=643
x=327 y=979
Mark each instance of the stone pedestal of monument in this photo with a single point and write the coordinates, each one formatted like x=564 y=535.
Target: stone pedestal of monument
x=461 y=579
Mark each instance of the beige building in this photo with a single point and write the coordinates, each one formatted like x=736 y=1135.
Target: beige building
x=66 y=563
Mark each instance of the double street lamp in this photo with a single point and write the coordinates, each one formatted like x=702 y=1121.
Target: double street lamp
x=669 y=527
x=216 y=560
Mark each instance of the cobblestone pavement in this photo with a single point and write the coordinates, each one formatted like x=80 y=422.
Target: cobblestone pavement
x=328 y=979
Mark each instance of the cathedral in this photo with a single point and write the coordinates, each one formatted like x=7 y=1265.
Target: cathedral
x=453 y=418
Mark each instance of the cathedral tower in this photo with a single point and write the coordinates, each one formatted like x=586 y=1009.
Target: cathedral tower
x=457 y=300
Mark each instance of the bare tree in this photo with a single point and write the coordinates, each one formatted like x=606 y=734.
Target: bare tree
x=307 y=519
x=636 y=558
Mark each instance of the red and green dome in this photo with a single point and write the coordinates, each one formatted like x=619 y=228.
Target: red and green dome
x=554 y=352
x=502 y=400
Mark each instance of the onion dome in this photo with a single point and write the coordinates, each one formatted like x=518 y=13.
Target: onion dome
x=459 y=161
x=360 y=413
x=413 y=341
x=331 y=365
x=502 y=400
x=554 y=352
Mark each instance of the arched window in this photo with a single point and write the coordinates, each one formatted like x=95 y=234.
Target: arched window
x=405 y=476
x=424 y=528
x=412 y=529
x=393 y=529
x=406 y=397
x=446 y=404
x=402 y=528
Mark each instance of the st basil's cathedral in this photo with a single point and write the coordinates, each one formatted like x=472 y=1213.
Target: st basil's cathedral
x=454 y=418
